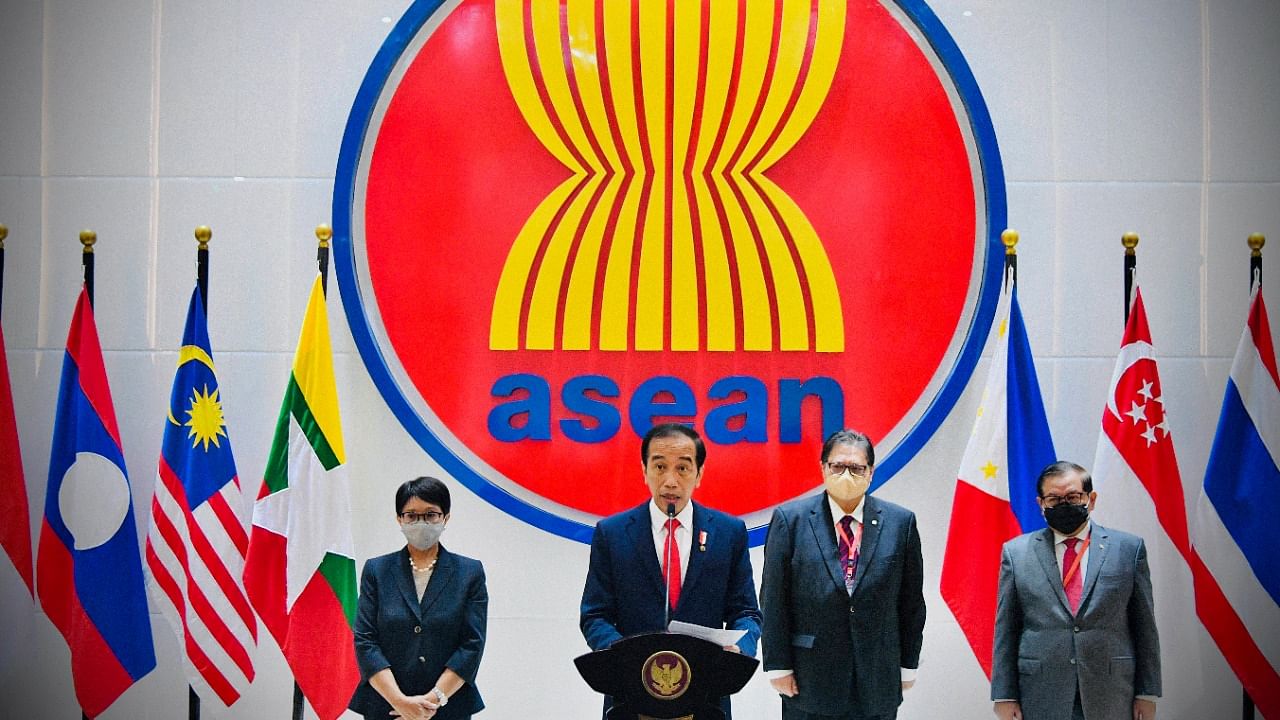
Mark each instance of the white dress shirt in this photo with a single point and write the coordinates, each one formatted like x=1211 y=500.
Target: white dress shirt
x=684 y=536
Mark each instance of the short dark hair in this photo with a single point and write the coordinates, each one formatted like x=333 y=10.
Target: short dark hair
x=1059 y=468
x=426 y=489
x=852 y=437
x=674 y=430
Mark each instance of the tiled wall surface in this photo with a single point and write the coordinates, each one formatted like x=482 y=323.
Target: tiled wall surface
x=144 y=118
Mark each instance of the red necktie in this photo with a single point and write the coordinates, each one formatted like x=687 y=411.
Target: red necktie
x=670 y=549
x=1072 y=583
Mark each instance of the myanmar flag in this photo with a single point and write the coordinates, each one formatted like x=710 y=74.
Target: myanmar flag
x=300 y=572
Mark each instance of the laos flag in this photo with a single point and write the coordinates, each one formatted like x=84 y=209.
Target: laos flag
x=88 y=569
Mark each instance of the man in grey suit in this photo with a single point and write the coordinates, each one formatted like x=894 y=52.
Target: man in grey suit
x=1075 y=623
x=842 y=595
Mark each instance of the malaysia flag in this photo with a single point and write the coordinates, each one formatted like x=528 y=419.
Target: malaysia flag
x=995 y=498
x=1234 y=527
x=88 y=570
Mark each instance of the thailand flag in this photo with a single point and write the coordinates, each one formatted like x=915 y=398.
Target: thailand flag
x=1234 y=526
x=995 y=497
x=88 y=570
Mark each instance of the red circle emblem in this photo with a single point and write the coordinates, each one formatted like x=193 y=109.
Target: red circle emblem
x=560 y=224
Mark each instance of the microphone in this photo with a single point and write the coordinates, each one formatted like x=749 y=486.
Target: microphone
x=666 y=566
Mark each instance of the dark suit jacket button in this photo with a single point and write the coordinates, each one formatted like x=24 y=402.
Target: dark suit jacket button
x=1075 y=629
x=422 y=659
x=851 y=610
x=1073 y=661
x=417 y=629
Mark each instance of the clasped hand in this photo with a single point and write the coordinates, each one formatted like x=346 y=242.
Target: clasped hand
x=414 y=707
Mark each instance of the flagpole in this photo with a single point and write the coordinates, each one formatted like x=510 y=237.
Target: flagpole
x=1010 y=240
x=1256 y=241
x=88 y=239
x=323 y=234
x=202 y=234
x=1130 y=242
x=4 y=233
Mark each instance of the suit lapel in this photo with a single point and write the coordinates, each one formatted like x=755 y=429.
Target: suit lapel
x=404 y=581
x=696 y=556
x=1098 y=546
x=640 y=532
x=1042 y=546
x=871 y=524
x=440 y=579
x=824 y=537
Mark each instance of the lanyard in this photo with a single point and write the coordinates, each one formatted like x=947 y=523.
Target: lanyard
x=1071 y=571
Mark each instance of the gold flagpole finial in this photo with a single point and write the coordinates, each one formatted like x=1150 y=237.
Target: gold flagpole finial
x=88 y=239
x=1130 y=241
x=324 y=233
x=1010 y=240
x=204 y=234
x=4 y=233
x=1256 y=241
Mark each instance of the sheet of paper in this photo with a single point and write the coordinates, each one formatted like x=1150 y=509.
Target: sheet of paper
x=718 y=636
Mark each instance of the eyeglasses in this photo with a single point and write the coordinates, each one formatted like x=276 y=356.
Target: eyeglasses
x=1072 y=498
x=854 y=469
x=430 y=516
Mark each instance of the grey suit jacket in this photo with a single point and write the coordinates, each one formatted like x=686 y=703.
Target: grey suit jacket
x=1110 y=646
x=846 y=650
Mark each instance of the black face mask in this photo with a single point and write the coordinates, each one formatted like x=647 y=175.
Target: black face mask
x=1065 y=517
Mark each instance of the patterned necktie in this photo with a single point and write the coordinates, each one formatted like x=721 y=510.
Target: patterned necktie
x=849 y=550
x=1072 y=583
x=670 y=549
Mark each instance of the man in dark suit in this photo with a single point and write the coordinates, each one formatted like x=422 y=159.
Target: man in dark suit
x=708 y=577
x=1075 y=622
x=842 y=594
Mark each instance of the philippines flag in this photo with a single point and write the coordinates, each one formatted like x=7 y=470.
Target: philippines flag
x=88 y=571
x=197 y=541
x=1234 y=528
x=995 y=497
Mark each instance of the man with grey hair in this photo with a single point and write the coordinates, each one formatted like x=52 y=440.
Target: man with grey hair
x=1075 y=622
x=842 y=594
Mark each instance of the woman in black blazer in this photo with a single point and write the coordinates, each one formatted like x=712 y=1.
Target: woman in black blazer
x=420 y=622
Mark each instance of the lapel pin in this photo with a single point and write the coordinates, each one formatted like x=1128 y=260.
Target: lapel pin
x=874 y=522
x=702 y=541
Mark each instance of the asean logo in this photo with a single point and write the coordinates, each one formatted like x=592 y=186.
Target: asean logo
x=666 y=675
x=560 y=222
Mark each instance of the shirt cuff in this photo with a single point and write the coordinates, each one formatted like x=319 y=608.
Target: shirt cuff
x=777 y=674
x=909 y=674
x=1148 y=698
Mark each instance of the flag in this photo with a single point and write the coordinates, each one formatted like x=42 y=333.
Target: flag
x=1140 y=491
x=196 y=542
x=15 y=531
x=88 y=571
x=995 y=498
x=300 y=573
x=1234 y=528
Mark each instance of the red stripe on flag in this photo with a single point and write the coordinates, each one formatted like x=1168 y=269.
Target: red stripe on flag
x=86 y=353
x=264 y=580
x=320 y=649
x=980 y=525
x=1229 y=632
x=15 y=531
x=230 y=523
x=98 y=676
x=199 y=602
x=199 y=660
x=1260 y=328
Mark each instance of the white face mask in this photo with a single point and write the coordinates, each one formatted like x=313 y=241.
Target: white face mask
x=422 y=535
x=845 y=487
